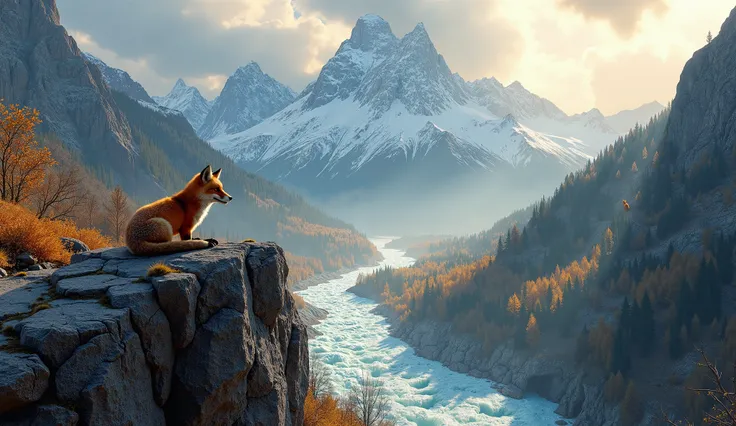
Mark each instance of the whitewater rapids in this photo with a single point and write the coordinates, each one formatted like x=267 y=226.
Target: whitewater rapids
x=420 y=392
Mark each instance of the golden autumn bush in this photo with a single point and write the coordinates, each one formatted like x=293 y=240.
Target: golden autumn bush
x=3 y=259
x=21 y=231
x=326 y=410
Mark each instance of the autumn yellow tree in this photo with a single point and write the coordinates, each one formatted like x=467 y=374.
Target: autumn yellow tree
x=608 y=241
x=634 y=168
x=618 y=174
x=644 y=153
x=532 y=331
x=514 y=305
x=23 y=163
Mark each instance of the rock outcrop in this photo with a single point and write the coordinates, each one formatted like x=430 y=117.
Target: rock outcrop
x=98 y=342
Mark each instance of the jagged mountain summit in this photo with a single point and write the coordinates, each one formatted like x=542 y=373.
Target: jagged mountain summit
x=248 y=97
x=188 y=101
x=119 y=80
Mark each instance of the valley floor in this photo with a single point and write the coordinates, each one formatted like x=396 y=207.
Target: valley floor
x=421 y=392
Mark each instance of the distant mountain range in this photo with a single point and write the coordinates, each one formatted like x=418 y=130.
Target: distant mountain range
x=386 y=114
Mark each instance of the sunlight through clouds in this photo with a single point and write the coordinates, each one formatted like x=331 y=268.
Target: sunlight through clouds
x=569 y=51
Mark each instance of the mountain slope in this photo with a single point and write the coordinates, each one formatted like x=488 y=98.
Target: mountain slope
x=119 y=80
x=248 y=97
x=188 y=101
x=149 y=150
x=625 y=120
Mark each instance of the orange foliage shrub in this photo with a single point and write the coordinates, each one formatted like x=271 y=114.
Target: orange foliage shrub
x=3 y=259
x=327 y=410
x=21 y=231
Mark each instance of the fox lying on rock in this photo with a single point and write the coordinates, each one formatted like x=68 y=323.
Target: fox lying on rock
x=153 y=226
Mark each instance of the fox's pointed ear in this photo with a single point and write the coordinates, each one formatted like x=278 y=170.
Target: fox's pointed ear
x=217 y=173
x=206 y=174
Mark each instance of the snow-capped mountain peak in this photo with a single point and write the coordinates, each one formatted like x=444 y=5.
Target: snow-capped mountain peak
x=370 y=33
x=413 y=74
x=370 y=42
x=188 y=100
x=248 y=97
x=385 y=110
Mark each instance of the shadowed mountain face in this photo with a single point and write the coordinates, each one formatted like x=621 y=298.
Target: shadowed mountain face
x=119 y=80
x=42 y=67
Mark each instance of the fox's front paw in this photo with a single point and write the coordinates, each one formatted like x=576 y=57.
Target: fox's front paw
x=212 y=242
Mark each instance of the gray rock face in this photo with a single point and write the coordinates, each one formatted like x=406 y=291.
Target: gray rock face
x=210 y=385
x=263 y=263
x=23 y=379
x=187 y=348
x=177 y=296
x=89 y=286
x=703 y=110
x=152 y=326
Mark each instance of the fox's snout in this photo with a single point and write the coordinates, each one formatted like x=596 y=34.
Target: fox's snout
x=223 y=199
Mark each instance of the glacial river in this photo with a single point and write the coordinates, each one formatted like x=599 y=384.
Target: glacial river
x=421 y=392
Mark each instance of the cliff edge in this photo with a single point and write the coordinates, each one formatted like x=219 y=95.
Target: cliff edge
x=97 y=342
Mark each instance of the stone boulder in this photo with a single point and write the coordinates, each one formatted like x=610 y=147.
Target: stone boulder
x=186 y=348
x=25 y=261
x=74 y=245
x=23 y=379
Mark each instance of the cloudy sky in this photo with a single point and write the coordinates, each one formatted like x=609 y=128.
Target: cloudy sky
x=580 y=54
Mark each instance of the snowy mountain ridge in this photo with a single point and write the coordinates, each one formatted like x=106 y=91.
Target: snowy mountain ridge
x=380 y=96
x=188 y=100
x=119 y=80
x=248 y=97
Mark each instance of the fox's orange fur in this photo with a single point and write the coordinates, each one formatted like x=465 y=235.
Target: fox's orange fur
x=153 y=226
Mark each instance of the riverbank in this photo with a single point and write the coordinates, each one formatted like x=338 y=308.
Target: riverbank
x=421 y=391
x=550 y=373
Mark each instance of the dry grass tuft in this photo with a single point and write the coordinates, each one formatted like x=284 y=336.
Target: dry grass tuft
x=160 y=269
x=21 y=231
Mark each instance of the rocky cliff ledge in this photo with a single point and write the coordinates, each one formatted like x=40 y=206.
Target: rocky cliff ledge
x=219 y=342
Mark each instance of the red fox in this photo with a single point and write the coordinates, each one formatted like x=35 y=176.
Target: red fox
x=152 y=227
